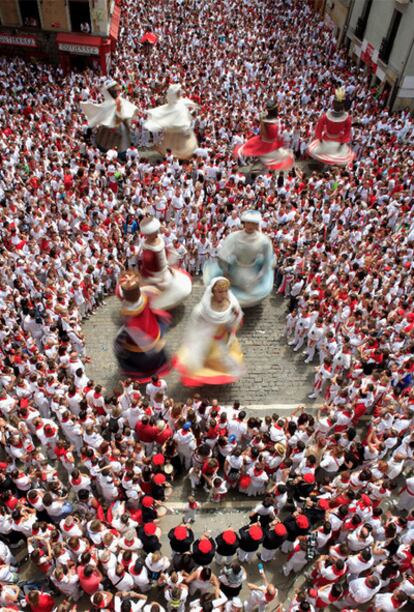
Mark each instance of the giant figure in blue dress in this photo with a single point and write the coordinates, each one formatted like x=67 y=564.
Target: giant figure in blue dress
x=246 y=258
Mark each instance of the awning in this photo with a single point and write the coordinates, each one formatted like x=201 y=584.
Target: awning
x=79 y=44
x=79 y=39
x=115 y=23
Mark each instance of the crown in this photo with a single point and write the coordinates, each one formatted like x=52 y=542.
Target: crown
x=340 y=94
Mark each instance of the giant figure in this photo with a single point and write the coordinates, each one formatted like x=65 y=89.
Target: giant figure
x=333 y=134
x=246 y=258
x=174 y=121
x=111 y=117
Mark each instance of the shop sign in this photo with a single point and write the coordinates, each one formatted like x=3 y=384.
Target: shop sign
x=78 y=49
x=19 y=41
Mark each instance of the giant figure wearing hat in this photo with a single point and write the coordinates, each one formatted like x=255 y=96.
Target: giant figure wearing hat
x=111 y=117
x=139 y=344
x=246 y=258
x=173 y=284
x=333 y=134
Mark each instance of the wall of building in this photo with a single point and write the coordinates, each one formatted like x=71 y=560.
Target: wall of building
x=9 y=13
x=55 y=15
x=378 y=22
x=337 y=11
x=403 y=41
x=356 y=9
x=100 y=17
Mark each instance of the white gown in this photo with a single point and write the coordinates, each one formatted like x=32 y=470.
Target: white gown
x=174 y=119
x=107 y=115
x=247 y=260
x=210 y=352
x=174 y=284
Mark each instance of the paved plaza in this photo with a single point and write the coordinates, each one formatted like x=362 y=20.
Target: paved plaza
x=275 y=374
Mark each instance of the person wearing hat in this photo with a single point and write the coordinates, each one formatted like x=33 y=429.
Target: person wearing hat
x=267 y=146
x=173 y=285
x=148 y=509
x=204 y=550
x=274 y=536
x=139 y=346
x=158 y=486
x=296 y=524
x=111 y=117
x=246 y=258
x=251 y=536
x=181 y=538
x=303 y=486
x=186 y=444
x=149 y=536
x=227 y=543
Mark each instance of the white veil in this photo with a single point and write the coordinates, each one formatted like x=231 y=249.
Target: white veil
x=203 y=323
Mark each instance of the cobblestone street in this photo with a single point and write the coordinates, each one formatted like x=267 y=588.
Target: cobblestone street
x=275 y=374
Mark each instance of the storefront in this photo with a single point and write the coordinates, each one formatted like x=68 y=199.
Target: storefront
x=23 y=45
x=84 y=51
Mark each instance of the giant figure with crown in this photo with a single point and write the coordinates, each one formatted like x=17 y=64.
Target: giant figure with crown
x=333 y=134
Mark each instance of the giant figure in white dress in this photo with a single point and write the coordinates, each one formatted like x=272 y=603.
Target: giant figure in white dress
x=175 y=121
x=111 y=117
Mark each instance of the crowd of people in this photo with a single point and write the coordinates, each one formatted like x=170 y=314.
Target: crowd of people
x=84 y=472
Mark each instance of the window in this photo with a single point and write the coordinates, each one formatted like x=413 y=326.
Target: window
x=30 y=13
x=388 y=42
x=363 y=20
x=80 y=16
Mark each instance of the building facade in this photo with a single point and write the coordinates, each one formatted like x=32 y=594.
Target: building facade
x=72 y=33
x=379 y=35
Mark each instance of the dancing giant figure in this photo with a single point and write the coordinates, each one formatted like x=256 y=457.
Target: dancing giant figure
x=111 y=117
x=246 y=258
x=333 y=133
x=173 y=284
x=210 y=353
x=139 y=344
x=175 y=121
x=268 y=147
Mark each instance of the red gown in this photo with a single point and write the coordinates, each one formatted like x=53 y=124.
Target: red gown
x=333 y=133
x=268 y=147
x=139 y=346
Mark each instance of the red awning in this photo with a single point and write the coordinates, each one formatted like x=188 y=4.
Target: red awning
x=115 y=22
x=79 y=39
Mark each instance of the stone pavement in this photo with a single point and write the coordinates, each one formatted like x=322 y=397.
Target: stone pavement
x=275 y=374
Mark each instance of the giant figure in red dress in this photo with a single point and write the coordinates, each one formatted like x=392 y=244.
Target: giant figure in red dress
x=173 y=284
x=139 y=344
x=268 y=145
x=333 y=133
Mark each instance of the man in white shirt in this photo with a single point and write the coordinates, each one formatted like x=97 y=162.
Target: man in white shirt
x=362 y=590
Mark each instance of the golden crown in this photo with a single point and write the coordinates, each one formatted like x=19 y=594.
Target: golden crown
x=340 y=94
